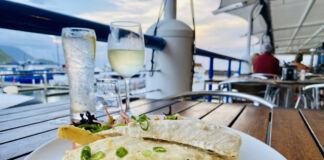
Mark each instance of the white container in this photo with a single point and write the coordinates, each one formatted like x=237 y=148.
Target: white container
x=174 y=61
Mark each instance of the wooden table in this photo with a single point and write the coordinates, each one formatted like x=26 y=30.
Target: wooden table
x=297 y=134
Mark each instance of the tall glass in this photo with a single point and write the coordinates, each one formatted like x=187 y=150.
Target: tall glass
x=79 y=46
x=126 y=50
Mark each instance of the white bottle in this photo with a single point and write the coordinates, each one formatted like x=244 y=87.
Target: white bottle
x=302 y=75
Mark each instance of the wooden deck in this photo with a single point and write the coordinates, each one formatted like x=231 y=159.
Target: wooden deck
x=297 y=134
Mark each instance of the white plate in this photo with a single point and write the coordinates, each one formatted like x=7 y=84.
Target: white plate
x=251 y=149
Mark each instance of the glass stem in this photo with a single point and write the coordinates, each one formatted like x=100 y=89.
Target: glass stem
x=127 y=105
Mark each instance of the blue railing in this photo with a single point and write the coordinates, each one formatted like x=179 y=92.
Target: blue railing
x=212 y=56
x=22 y=17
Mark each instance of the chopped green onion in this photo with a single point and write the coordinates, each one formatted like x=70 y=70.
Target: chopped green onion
x=133 y=117
x=170 y=117
x=97 y=156
x=144 y=125
x=121 y=152
x=85 y=153
x=159 y=149
x=143 y=118
x=146 y=153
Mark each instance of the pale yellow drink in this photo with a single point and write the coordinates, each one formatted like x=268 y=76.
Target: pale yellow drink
x=126 y=62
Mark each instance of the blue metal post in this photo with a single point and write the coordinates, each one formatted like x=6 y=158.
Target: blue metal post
x=210 y=76
x=229 y=72
x=239 y=68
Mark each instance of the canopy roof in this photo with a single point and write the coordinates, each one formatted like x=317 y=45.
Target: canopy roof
x=297 y=24
x=247 y=7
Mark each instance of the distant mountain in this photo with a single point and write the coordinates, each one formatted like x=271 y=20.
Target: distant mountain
x=15 y=54
x=4 y=58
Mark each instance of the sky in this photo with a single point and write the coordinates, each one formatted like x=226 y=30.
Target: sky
x=222 y=33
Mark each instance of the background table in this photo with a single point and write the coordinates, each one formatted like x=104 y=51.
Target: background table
x=297 y=134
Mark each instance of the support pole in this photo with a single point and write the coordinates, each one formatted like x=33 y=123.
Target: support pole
x=229 y=72
x=45 y=82
x=229 y=69
x=239 y=68
x=210 y=76
x=249 y=35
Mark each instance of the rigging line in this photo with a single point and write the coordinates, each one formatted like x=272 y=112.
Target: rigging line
x=193 y=39
x=163 y=3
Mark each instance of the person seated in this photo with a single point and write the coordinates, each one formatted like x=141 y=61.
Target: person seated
x=266 y=62
x=253 y=57
x=298 y=64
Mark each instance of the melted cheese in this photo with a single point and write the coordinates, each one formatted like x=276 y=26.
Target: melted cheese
x=135 y=147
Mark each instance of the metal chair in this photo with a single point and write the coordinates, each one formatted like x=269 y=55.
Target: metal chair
x=312 y=92
x=255 y=99
x=265 y=90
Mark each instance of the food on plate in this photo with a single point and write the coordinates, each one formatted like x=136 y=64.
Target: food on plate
x=77 y=135
x=199 y=134
x=150 y=137
x=129 y=148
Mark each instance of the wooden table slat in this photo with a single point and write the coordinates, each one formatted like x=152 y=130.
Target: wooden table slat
x=155 y=105
x=315 y=119
x=254 y=122
x=175 y=108
x=32 y=117
x=31 y=107
x=32 y=120
x=200 y=110
x=291 y=137
x=31 y=113
x=26 y=131
x=224 y=114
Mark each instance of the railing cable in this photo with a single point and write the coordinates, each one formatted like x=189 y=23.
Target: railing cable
x=154 y=34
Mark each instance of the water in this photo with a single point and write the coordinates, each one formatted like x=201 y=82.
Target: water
x=79 y=56
x=40 y=95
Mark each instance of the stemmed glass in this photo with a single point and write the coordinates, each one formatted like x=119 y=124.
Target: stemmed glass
x=126 y=51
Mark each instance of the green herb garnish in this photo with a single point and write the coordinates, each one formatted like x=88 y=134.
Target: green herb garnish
x=146 y=153
x=94 y=128
x=133 y=117
x=143 y=120
x=170 y=117
x=159 y=149
x=121 y=152
x=97 y=155
x=85 y=153
x=144 y=125
x=118 y=125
